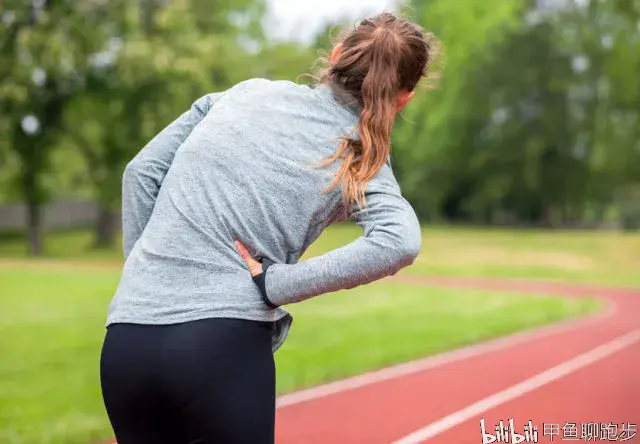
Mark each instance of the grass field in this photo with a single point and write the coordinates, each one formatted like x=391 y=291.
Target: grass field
x=597 y=257
x=52 y=314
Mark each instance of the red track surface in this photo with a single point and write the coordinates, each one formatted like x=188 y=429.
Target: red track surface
x=604 y=391
x=434 y=393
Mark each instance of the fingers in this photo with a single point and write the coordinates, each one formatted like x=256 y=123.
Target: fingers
x=255 y=267
x=243 y=251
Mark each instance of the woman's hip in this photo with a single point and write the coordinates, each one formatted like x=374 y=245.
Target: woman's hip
x=208 y=378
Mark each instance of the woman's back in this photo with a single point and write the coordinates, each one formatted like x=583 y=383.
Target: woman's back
x=242 y=165
x=246 y=171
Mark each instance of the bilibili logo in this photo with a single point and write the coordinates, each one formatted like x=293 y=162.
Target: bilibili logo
x=506 y=433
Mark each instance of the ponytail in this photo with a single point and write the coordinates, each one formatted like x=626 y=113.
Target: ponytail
x=365 y=156
x=383 y=56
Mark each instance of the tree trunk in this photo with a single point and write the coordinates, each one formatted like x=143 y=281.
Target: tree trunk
x=34 y=227
x=546 y=216
x=106 y=227
x=33 y=200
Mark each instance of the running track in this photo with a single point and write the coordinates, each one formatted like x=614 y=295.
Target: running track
x=585 y=371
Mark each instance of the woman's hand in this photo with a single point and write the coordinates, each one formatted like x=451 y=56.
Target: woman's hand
x=255 y=267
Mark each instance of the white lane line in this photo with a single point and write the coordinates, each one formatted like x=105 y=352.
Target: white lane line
x=442 y=359
x=520 y=389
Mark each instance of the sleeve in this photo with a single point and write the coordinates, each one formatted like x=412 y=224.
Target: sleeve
x=144 y=174
x=391 y=240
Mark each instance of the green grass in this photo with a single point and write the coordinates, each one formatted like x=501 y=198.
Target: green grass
x=65 y=244
x=596 y=257
x=347 y=333
x=599 y=257
x=51 y=327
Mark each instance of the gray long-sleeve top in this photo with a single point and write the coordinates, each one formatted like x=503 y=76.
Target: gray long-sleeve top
x=240 y=165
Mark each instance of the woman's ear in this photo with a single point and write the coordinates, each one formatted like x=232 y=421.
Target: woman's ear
x=336 y=53
x=404 y=98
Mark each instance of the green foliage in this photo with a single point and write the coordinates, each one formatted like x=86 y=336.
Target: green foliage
x=536 y=117
x=49 y=49
x=431 y=144
x=100 y=79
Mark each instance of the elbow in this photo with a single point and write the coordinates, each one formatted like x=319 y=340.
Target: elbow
x=412 y=239
x=410 y=247
x=407 y=248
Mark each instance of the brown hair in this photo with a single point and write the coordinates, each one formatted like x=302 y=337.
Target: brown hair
x=381 y=57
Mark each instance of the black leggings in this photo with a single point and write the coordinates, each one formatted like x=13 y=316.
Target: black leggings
x=201 y=382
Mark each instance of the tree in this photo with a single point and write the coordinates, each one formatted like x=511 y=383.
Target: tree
x=536 y=116
x=105 y=76
x=47 y=48
x=167 y=55
x=432 y=139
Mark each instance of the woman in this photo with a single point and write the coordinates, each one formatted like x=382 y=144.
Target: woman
x=217 y=210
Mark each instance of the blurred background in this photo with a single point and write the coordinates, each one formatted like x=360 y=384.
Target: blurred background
x=522 y=159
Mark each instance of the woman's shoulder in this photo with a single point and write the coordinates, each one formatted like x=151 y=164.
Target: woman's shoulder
x=265 y=86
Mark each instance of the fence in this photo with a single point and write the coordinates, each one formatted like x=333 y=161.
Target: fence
x=57 y=215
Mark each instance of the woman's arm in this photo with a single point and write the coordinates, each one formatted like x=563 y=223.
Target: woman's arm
x=144 y=174
x=391 y=241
